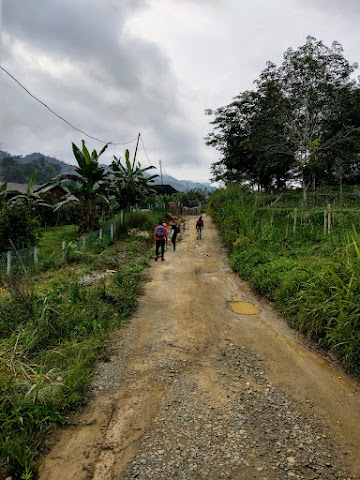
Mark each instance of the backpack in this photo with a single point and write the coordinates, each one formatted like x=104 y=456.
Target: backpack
x=160 y=231
x=199 y=223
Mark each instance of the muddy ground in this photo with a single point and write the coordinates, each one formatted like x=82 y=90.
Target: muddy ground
x=194 y=390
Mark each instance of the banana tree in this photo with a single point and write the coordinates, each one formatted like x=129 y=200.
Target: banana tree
x=32 y=201
x=129 y=184
x=90 y=185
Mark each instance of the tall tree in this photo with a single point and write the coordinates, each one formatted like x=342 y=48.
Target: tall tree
x=293 y=126
x=311 y=77
x=341 y=135
x=269 y=140
x=231 y=138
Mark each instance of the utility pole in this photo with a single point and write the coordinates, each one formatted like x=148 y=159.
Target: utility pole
x=137 y=144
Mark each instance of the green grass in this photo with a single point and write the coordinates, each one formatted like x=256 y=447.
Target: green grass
x=52 y=237
x=314 y=279
x=53 y=328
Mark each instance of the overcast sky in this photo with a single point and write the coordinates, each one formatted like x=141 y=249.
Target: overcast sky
x=114 y=68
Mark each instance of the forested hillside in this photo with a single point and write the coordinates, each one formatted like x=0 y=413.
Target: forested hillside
x=12 y=169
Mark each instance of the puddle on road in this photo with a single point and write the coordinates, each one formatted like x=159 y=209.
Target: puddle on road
x=245 y=308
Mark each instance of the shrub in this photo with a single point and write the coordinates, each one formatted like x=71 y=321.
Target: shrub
x=246 y=261
x=17 y=228
x=136 y=219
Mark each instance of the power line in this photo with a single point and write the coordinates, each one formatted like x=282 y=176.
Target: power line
x=61 y=118
x=146 y=155
x=165 y=171
x=162 y=167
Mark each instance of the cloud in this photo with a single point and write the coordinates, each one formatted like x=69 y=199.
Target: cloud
x=347 y=8
x=152 y=66
x=80 y=59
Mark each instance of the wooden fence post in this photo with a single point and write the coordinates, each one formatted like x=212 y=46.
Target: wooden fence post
x=295 y=220
x=36 y=257
x=325 y=222
x=8 y=262
x=63 y=248
x=112 y=232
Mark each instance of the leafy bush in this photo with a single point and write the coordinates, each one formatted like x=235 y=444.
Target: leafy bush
x=17 y=228
x=136 y=219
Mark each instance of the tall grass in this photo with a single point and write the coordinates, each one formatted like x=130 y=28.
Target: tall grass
x=313 y=278
x=53 y=328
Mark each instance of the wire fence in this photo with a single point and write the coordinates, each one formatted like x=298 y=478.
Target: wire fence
x=32 y=260
x=15 y=262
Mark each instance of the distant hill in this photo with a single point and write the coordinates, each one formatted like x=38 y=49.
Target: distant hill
x=180 y=185
x=183 y=185
x=4 y=154
x=65 y=167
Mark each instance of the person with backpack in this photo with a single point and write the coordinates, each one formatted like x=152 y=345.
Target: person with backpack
x=175 y=229
x=199 y=227
x=160 y=239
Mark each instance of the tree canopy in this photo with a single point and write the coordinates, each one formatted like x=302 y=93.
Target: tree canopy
x=301 y=123
x=13 y=170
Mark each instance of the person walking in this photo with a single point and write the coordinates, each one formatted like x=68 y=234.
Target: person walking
x=160 y=239
x=175 y=229
x=199 y=227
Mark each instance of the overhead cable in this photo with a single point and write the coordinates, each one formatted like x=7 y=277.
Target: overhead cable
x=146 y=155
x=61 y=118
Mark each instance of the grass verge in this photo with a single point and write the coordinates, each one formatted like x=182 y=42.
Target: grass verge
x=53 y=327
x=312 y=275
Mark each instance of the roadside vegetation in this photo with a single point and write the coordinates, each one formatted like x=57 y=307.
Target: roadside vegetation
x=54 y=326
x=298 y=127
x=306 y=260
x=71 y=270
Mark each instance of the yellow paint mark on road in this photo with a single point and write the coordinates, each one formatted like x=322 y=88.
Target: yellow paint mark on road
x=245 y=308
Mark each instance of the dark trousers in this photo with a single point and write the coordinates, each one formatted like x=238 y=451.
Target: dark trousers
x=173 y=240
x=160 y=244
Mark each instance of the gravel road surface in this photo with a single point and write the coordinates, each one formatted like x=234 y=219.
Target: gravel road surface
x=195 y=391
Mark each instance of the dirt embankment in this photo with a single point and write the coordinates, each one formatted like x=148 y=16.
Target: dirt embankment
x=196 y=391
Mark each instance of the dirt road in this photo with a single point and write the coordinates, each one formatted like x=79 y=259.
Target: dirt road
x=196 y=391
